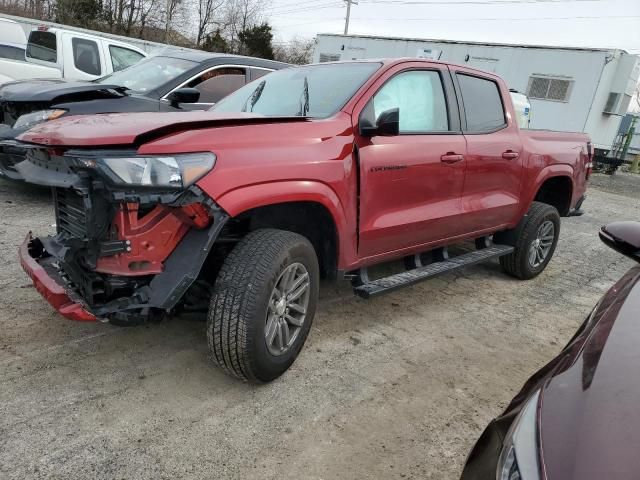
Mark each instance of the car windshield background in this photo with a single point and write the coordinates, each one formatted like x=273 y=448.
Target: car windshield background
x=317 y=91
x=148 y=74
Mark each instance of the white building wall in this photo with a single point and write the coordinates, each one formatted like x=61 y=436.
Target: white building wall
x=620 y=75
x=588 y=70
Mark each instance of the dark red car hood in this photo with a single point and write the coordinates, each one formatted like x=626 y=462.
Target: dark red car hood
x=125 y=129
x=590 y=416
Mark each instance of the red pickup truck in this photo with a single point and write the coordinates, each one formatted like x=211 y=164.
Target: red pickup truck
x=318 y=171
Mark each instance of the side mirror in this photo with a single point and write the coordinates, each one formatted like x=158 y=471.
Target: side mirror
x=387 y=124
x=623 y=237
x=183 y=95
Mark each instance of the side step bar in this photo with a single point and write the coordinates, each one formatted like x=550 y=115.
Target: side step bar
x=394 y=282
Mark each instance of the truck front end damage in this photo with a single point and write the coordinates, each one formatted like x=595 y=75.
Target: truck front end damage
x=133 y=232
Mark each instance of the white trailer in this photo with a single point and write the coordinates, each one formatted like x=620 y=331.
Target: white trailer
x=570 y=89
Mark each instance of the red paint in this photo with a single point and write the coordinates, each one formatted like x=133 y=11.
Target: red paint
x=49 y=289
x=151 y=237
x=429 y=203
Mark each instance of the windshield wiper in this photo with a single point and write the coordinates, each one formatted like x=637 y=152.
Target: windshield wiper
x=254 y=97
x=304 y=107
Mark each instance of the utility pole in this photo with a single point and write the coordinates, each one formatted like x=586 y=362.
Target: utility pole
x=346 y=20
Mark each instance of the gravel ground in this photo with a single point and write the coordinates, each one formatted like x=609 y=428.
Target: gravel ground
x=396 y=387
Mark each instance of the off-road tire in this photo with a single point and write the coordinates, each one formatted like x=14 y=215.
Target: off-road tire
x=237 y=315
x=517 y=263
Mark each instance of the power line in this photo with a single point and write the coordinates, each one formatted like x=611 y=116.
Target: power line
x=471 y=2
x=310 y=9
x=458 y=19
x=307 y=8
x=296 y=5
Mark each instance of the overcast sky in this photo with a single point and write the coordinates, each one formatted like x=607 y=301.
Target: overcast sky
x=594 y=23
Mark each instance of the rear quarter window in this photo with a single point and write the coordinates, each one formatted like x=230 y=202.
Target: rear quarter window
x=42 y=46
x=482 y=102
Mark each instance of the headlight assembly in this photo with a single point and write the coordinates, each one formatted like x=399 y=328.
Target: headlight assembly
x=519 y=457
x=176 y=171
x=30 y=119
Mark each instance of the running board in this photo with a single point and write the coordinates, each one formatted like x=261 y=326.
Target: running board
x=410 y=277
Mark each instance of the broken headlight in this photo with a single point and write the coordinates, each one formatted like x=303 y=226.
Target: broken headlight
x=177 y=171
x=30 y=119
x=519 y=457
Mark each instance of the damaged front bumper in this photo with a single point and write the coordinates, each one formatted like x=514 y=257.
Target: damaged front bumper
x=123 y=255
x=46 y=283
x=11 y=153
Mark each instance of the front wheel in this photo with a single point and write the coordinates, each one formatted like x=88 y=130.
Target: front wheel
x=263 y=304
x=535 y=243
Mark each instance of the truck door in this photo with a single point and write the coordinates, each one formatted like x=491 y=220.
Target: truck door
x=410 y=183
x=494 y=161
x=83 y=59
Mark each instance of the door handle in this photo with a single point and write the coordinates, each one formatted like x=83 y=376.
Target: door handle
x=510 y=155
x=451 y=157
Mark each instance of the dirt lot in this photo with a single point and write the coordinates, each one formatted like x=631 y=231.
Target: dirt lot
x=397 y=387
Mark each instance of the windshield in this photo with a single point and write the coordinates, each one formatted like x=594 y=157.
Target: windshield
x=148 y=74
x=312 y=91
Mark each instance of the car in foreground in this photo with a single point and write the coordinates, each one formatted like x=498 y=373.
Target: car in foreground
x=577 y=418
x=181 y=80
x=325 y=169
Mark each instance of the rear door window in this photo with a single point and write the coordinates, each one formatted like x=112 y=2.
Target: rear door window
x=122 y=58
x=482 y=104
x=86 y=56
x=42 y=46
x=216 y=84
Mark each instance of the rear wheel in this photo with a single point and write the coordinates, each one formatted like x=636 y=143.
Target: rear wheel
x=263 y=304
x=535 y=243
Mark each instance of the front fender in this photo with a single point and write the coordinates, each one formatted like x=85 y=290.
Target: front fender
x=249 y=197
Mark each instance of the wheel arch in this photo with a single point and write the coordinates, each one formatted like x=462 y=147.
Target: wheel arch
x=311 y=209
x=554 y=186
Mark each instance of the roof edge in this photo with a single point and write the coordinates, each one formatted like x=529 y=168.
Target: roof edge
x=464 y=42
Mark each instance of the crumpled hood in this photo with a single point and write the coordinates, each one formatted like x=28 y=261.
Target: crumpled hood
x=50 y=90
x=127 y=129
x=590 y=416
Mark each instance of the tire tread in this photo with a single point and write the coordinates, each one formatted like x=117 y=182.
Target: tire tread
x=514 y=263
x=236 y=293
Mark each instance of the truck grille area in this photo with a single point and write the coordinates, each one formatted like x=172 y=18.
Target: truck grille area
x=71 y=212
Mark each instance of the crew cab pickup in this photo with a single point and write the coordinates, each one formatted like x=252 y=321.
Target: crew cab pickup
x=318 y=171
x=59 y=53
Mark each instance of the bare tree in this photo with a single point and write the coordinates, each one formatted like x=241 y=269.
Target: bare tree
x=207 y=11
x=240 y=16
x=172 y=7
x=298 y=51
